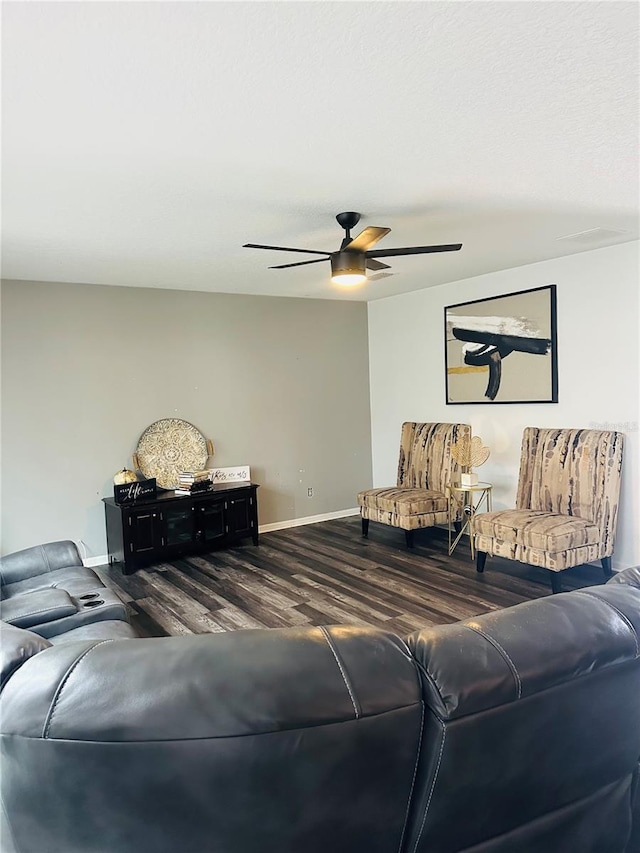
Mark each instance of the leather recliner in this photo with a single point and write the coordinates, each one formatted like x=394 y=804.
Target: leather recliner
x=513 y=731
x=48 y=590
x=49 y=566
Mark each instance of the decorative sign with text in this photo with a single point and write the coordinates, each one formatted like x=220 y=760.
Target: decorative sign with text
x=129 y=493
x=230 y=475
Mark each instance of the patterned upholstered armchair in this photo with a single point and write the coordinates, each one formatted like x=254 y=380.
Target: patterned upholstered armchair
x=567 y=503
x=425 y=469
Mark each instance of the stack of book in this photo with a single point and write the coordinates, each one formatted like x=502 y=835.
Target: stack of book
x=193 y=482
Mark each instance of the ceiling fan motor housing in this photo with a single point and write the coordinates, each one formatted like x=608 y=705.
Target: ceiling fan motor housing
x=348 y=263
x=348 y=220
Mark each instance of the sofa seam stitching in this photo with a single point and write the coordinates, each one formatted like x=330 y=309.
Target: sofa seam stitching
x=33 y=613
x=302 y=727
x=624 y=618
x=413 y=781
x=497 y=646
x=344 y=677
x=10 y=826
x=433 y=785
x=426 y=674
x=46 y=559
x=70 y=671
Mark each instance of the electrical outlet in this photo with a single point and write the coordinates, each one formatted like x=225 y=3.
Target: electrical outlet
x=309 y=492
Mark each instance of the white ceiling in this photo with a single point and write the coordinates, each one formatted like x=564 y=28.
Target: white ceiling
x=144 y=143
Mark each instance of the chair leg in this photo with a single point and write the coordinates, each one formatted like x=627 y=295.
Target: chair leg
x=481 y=559
x=457 y=526
x=365 y=527
x=606 y=567
x=408 y=535
x=556 y=585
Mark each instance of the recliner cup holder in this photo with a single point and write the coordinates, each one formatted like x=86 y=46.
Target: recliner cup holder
x=93 y=603
x=89 y=596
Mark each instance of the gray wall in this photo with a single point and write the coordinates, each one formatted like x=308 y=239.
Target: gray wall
x=279 y=384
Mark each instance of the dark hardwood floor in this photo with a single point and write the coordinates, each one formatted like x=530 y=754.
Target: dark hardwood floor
x=326 y=574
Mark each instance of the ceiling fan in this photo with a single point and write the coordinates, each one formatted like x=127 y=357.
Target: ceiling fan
x=355 y=256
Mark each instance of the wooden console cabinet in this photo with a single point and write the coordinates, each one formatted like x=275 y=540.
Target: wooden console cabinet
x=171 y=525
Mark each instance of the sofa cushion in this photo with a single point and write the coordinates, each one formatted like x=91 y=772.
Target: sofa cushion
x=546 y=531
x=38 y=560
x=17 y=646
x=111 y=629
x=35 y=608
x=403 y=501
x=74 y=579
x=279 y=741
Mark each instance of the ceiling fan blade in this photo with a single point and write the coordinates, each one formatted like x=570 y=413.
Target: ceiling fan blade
x=412 y=250
x=284 y=249
x=372 y=264
x=380 y=275
x=298 y=264
x=366 y=238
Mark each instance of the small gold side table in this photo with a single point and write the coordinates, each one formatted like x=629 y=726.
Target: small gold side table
x=471 y=498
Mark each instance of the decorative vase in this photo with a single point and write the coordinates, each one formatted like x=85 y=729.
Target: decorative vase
x=124 y=476
x=469 y=479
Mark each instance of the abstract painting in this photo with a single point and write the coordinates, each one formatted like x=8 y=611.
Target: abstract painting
x=503 y=349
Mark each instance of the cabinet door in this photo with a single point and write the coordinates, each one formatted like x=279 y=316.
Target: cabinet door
x=144 y=532
x=240 y=514
x=179 y=528
x=210 y=523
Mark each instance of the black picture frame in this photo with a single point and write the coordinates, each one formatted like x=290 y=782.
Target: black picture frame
x=503 y=349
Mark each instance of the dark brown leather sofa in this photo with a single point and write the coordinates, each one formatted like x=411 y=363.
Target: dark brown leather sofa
x=516 y=731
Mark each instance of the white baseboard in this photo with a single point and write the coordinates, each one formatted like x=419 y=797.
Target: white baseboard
x=309 y=519
x=92 y=562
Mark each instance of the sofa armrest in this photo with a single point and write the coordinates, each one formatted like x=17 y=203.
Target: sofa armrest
x=37 y=607
x=16 y=647
x=39 y=560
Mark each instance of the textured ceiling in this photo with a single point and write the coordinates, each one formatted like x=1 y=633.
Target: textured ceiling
x=144 y=143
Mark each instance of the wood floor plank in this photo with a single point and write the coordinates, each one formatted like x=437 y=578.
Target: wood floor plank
x=164 y=616
x=409 y=594
x=323 y=586
x=251 y=602
x=173 y=595
x=146 y=625
x=302 y=587
x=327 y=574
x=192 y=588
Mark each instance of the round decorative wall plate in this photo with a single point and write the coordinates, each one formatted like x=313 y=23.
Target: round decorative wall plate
x=168 y=447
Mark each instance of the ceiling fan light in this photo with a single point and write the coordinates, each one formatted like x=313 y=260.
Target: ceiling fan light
x=348 y=279
x=348 y=268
